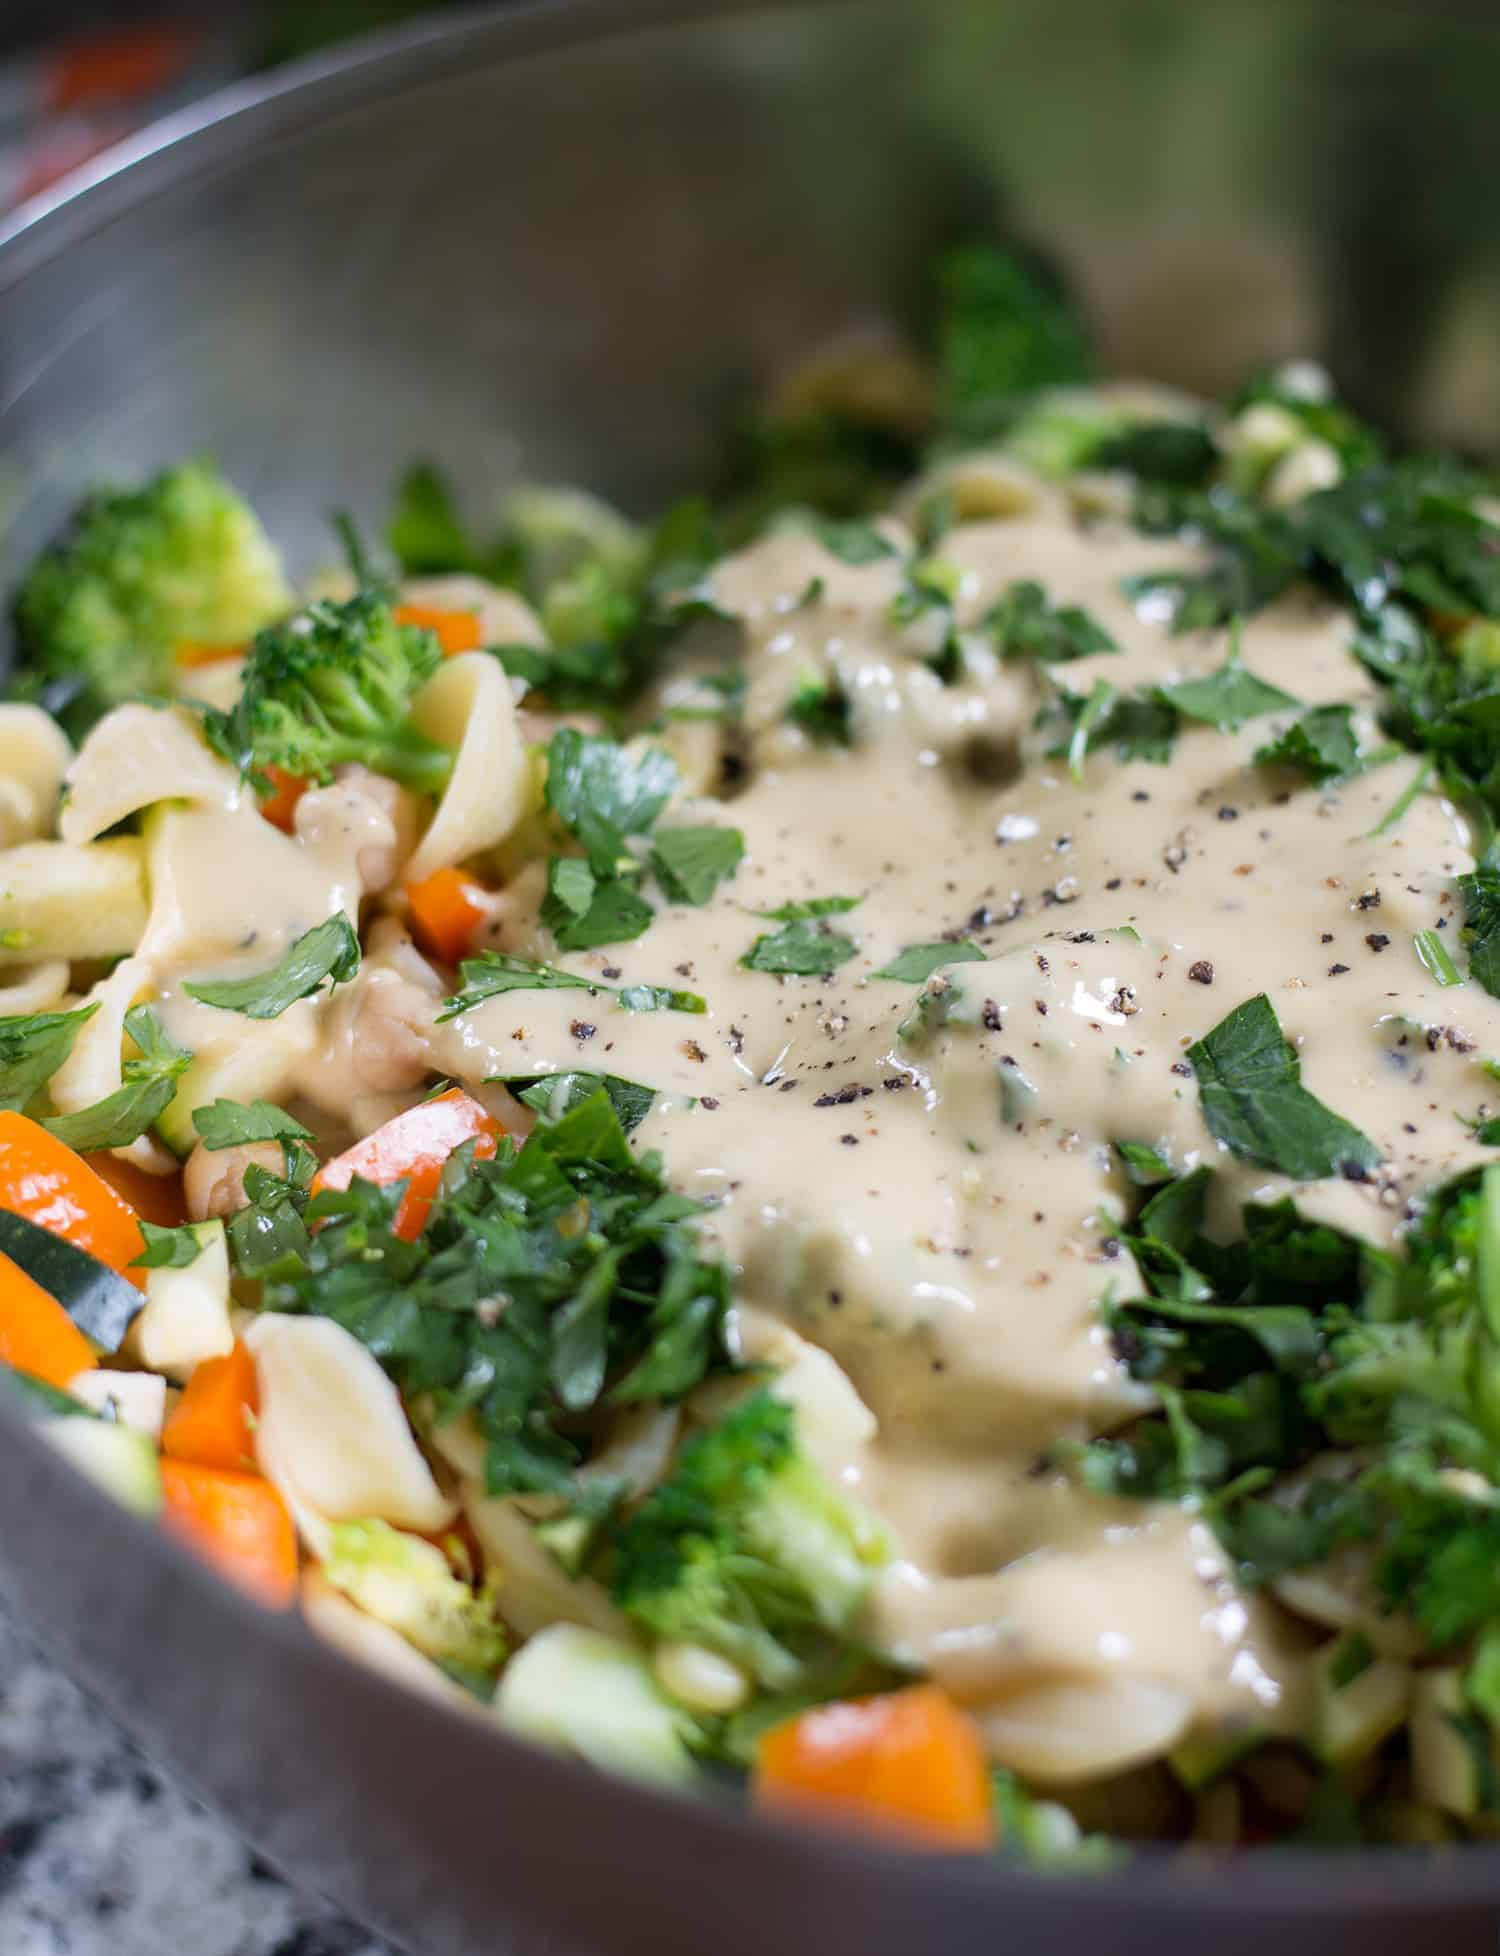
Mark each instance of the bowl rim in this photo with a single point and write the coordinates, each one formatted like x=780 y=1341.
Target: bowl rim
x=213 y=135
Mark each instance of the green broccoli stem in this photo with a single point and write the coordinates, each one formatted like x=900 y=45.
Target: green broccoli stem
x=409 y=757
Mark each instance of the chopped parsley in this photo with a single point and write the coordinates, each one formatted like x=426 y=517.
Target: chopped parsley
x=554 y=1094
x=852 y=542
x=32 y=1047
x=1227 y=698
x=690 y=863
x=916 y=964
x=167 y=1249
x=1480 y=891
x=1024 y=624
x=494 y=973
x=1321 y=743
x=148 y=1083
x=1253 y=1101
x=603 y=794
x=608 y=1298
x=821 y=709
x=804 y=947
x=233 y=1124
x=582 y=911
x=329 y=951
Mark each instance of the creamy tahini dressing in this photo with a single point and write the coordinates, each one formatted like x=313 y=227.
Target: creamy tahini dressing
x=936 y=1208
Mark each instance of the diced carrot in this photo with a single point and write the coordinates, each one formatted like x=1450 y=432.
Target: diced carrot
x=196 y=652
x=36 y=1333
x=909 y=1764
x=213 y=1423
x=414 y=1146
x=45 y=1181
x=238 y=1522
x=455 y=631
x=158 y=1198
x=447 y=908
x=280 y=806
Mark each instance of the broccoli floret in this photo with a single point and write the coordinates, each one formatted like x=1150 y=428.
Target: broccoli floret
x=406 y=1583
x=331 y=686
x=102 y=616
x=749 y=1550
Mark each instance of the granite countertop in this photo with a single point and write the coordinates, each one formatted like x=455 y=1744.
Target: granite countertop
x=100 y=1857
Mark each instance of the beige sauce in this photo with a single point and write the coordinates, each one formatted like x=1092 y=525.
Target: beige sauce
x=937 y=1211
x=948 y=1240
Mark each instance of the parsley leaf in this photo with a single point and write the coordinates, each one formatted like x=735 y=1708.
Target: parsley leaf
x=1139 y=726
x=1026 y=625
x=821 y=709
x=1228 y=697
x=1183 y=453
x=232 y=1124
x=804 y=948
x=582 y=912
x=555 y=1094
x=329 y=950
x=608 y=1296
x=32 y=1047
x=149 y=1082
x=1005 y=329
x=495 y=972
x=427 y=536
x=690 y=863
x=917 y=962
x=1249 y=1087
x=659 y=998
x=603 y=794
x=1321 y=743
x=791 y=913
x=852 y=542
x=1145 y=1167
x=1480 y=891
x=167 y=1249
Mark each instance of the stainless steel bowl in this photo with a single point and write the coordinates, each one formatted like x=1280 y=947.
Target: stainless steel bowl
x=561 y=239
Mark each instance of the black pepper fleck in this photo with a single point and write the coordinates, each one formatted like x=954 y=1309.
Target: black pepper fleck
x=1337 y=970
x=581 y=1029
x=707 y=1100
x=1201 y=972
x=1377 y=940
x=611 y=971
x=850 y=1140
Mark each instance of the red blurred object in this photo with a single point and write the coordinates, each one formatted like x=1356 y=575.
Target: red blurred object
x=117 y=65
x=64 y=102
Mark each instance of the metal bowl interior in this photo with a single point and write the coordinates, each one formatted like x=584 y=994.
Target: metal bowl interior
x=562 y=240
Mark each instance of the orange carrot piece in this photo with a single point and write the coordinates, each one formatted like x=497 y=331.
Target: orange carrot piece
x=287 y=790
x=909 y=1764
x=194 y=652
x=447 y=908
x=414 y=1145
x=455 y=631
x=213 y=1423
x=237 y=1522
x=45 y=1181
x=36 y=1333
x=158 y=1198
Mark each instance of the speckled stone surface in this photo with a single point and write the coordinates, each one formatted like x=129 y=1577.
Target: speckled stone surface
x=98 y=1857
